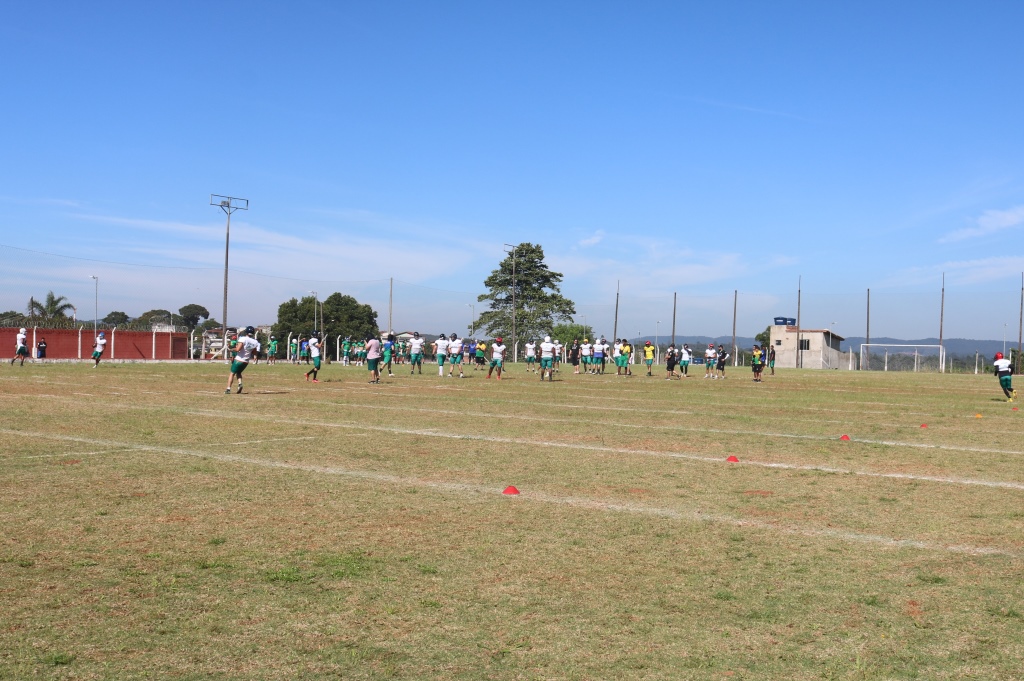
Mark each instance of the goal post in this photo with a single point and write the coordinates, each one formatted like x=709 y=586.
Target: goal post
x=902 y=357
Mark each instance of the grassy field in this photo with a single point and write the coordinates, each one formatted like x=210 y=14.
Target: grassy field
x=153 y=527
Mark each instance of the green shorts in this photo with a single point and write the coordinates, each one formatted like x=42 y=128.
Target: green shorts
x=387 y=357
x=371 y=364
x=685 y=363
x=316 y=362
x=416 y=358
x=440 y=360
x=495 y=363
x=586 y=359
x=24 y=353
x=1006 y=382
x=479 y=354
x=455 y=359
x=531 y=360
x=771 y=364
x=648 y=362
x=236 y=367
x=546 y=362
x=621 y=360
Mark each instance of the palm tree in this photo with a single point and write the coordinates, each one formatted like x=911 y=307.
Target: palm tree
x=52 y=307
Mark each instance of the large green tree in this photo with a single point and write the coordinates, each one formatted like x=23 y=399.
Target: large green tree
x=116 y=318
x=53 y=307
x=342 y=316
x=157 y=316
x=538 y=304
x=192 y=313
x=567 y=332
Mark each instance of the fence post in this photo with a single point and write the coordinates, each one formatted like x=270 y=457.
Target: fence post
x=113 y=331
x=35 y=352
x=154 y=345
x=80 y=342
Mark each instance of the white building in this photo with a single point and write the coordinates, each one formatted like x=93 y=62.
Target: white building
x=818 y=348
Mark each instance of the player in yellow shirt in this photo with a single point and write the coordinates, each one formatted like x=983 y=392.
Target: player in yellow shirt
x=648 y=356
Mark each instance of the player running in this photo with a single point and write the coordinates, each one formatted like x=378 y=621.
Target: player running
x=20 y=347
x=1004 y=371
x=97 y=349
x=314 y=353
x=497 y=357
x=245 y=347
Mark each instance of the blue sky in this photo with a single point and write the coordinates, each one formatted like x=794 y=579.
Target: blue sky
x=687 y=147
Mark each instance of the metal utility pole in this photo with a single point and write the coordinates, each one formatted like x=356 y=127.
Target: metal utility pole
x=942 y=315
x=674 y=295
x=735 y=298
x=391 y=295
x=615 y=326
x=1020 y=327
x=96 y=312
x=228 y=204
x=513 y=252
x=472 y=320
x=799 y=352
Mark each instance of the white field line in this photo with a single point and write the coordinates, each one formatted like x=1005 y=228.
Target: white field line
x=625 y=450
x=276 y=439
x=687 y=429
x=578 y=502
x=74 y=454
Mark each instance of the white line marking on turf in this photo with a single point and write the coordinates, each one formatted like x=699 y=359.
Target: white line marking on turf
x=277 y=439
x=625 y=450
x=73 y=454
x=578 y=502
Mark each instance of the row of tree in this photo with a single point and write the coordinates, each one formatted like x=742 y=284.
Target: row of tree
x=57 y=311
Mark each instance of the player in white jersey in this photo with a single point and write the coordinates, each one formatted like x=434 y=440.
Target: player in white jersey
x=97 y=349
x=531 y=356
x=455 y=355
x=557 y=361
x=416 y=353
x=497 y=357
x=710 y=359
x=547 y=359
x=441 y=353
x=1004 y=371
x=587 y=355
x=247 y=346
x=314 y=353
x=20 y=347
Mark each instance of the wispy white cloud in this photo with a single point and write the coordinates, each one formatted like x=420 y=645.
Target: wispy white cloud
x=960 y=272
x=67 y=203
x=989 y=222
x=592 y=240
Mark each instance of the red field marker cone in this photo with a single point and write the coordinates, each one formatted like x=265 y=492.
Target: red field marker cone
x=1015 y=408
x=977 y=416
x=510 y=490
x=845 y=437
x=924 y=425
x=733 y=459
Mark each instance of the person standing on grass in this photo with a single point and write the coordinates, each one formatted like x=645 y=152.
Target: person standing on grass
x=649 y=357
x=20 y=347
x=272 y=351
x=98 y=347
x=586 y=352
x=627 y=356
x=531 y=356
x=723 y=356
x=670 y=363
x=346 y=350
x=389 y=353
x=1004 y=372
x=373 y=354
x=246 y=347
x=441 y=353
x=556 y=361
x=497 y=356
x=293 y=351
x=547 y=359
x=574 y=355
x=771 y=358
x=314 y=351
x=756 y=362
x=455 y=355
x=684 y=361
x=600 y=350
x=710 y=357
x=415 y=353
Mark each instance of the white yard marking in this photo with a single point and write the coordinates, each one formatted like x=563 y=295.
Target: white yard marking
x=577 y=502
x=277 y=439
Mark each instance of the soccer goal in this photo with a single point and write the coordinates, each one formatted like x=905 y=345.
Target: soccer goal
x=889 y=357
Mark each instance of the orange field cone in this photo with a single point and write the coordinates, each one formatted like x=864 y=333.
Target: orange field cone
x=845 y=437
x=510 y=490
x=924 y=425
x=977 y=416
x=733 y=459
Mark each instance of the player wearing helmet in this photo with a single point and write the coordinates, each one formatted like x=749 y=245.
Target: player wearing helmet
x=247 y=346
x=710 y=359
x=272 y=350
x=99 y=345
x=723 y=357
x=455 y=355
x=670 y=362
x=547 y=359
x=531 y=356
x=20 y=347
x=684 y=361
x=389 y=352
x=441 y=353
x=1004 y=372
x=416 y=353
x=586 y=355
x=497 y=357
x=314 y=353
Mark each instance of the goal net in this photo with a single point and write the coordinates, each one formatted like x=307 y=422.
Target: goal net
x=889 y=357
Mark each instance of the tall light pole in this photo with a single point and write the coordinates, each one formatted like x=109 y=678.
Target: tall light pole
x=657 y=333
x=228 y=204
x=1004 y=340
x=316 y=299
x=96 y=311
x=513 y=252
x=472 y=320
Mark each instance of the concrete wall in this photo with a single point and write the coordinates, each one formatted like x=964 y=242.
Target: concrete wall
x=77 y=343
x=822 y=353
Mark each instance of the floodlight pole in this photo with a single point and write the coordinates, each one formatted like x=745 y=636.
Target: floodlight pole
x=316 y=301
x=228 y=204
x=942 y=317
x=472 y=320
x=96 y=311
